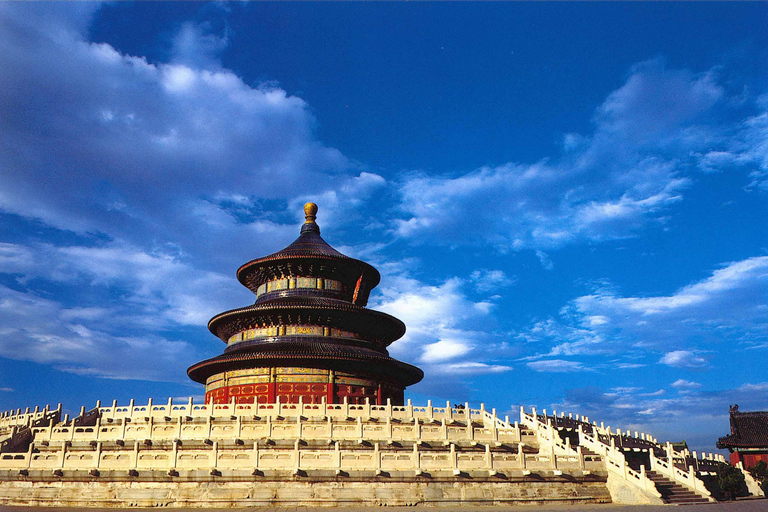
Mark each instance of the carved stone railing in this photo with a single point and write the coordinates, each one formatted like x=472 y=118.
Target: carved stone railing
x=686 y=477
x=342 y=410
x=259 y=458
x=612 y=459
x=17 y=418
x=332 y=427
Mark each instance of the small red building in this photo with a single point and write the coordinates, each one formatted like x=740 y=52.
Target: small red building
x=748 y=442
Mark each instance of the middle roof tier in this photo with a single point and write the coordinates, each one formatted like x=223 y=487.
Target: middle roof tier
x=369 y=325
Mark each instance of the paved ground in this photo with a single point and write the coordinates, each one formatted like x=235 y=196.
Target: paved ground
x=760 y=505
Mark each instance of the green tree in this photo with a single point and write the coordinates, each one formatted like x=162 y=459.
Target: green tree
x=731 y=482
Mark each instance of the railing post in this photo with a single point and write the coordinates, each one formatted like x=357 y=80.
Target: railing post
x=521 y=455
x=174 y=454
x=553 y=455
x=29 y=455
x=64 y=452
x=135 y=455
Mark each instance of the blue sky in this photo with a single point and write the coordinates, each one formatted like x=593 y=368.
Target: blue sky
x=567 y=201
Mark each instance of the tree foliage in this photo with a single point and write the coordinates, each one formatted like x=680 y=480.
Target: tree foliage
x=727 y=484
x=760 y=473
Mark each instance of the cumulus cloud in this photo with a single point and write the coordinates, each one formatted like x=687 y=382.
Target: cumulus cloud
x=683 y=359
x=448 y=333
x=626 y=174
x=92 y=140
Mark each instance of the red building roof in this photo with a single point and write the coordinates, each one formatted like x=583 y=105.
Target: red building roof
x=748 y=430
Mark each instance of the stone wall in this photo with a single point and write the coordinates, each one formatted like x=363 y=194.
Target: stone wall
x=203 y=491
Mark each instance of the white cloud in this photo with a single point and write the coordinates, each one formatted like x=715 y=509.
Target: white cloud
x=132 y=296
x=448 y=333
x=557 y=366
x=38 y=330
x=683 y=359
x=194 y=45
x=546 y=262
x=472 y=368
x=726 y=307
x=95 y=141
x=486 y=280
x=684 y=385
x=443 y=350
x=626 y=174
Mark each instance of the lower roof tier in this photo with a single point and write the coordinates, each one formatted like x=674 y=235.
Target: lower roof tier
x=369 y=324
x=346 y=358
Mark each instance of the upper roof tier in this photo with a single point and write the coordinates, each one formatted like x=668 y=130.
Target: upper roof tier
x=310 y=256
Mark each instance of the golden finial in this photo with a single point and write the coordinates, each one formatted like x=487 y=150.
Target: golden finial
x=310 y=213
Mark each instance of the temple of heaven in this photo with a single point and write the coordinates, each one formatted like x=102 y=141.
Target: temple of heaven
x=308 y=336
x=305 y=407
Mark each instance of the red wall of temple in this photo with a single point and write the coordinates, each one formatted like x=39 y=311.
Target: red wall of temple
x=749 y=459
x=311 y=393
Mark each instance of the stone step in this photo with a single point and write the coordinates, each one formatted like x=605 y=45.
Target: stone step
x=674 y=493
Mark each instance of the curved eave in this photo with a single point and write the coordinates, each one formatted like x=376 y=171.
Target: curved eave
x=733 y=442
x=361 y=363
x=354 y=268
x=391 y=328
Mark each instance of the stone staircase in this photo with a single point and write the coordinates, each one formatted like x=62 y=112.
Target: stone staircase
x=673 y=493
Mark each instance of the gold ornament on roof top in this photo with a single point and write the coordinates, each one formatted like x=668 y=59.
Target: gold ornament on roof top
x=310 y=212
